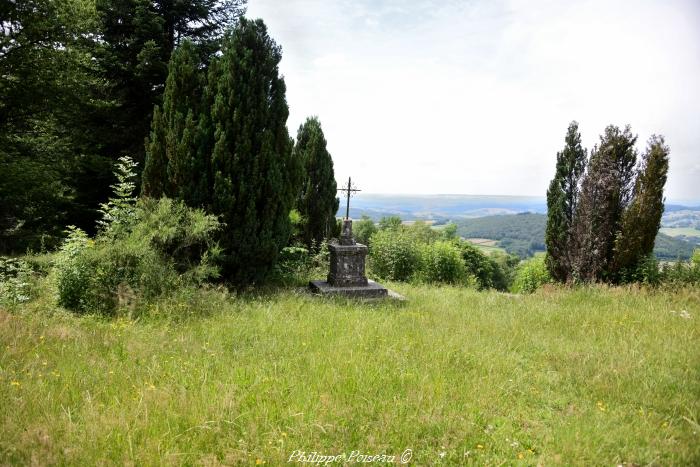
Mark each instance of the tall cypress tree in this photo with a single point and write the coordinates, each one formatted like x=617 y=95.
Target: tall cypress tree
x=606 y=192
x=252 y=166
x=642 y=219
x=171 y=150
x=318 y=202
x=562 y=200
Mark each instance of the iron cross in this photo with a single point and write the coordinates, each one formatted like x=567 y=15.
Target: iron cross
x=349 y=190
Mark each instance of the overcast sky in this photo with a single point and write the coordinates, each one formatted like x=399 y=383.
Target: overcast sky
x=474 y=97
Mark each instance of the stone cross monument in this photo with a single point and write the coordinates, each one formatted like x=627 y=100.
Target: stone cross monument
x=347 y=263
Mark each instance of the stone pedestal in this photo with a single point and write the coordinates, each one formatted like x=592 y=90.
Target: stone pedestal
x=347 y=266
x=347 y=269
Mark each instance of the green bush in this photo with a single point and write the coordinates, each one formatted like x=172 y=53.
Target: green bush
x=395 y=255
x=530 y=275
x=163 y=246
x=15 y=281
x=363 y=230
x=682 y=272
x=442 y=261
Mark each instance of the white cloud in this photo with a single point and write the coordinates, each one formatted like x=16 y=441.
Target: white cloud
x=475 y=97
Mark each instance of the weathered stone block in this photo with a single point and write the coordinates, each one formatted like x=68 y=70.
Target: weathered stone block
x=347 y=265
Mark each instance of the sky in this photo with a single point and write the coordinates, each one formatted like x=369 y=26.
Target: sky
x=474 y=97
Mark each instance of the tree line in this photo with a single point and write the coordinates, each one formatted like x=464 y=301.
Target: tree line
x=604 y=211
x=189 y=90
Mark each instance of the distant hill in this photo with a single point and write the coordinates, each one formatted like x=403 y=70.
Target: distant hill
x=440 y=208
x=523 y=235
x=520 y=234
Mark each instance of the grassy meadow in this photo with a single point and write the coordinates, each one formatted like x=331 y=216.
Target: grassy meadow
x=599 y=376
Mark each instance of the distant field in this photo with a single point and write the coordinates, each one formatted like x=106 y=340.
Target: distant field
x=486 y=245
x=598 y=376
x=680 y=231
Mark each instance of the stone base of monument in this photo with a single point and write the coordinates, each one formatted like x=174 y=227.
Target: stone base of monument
x=346 y=276
x=371 y=290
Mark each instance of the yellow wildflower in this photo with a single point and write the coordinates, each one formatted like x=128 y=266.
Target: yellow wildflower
x=479 y=446
x=15 y=383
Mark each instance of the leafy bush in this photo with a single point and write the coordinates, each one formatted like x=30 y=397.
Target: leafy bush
x=298 y=265
x=15 y=281
x=363 y=230
x=442 y=262
x=530 y=275
x=166 y=245
x=645 y=271
x=485 y=271
x=144 y=249
x=394 y=255
x=404 y=253
x=682 y=272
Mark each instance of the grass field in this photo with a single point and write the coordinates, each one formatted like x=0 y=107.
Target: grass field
x=677 y=231
x=584 y=377
x=486 y=245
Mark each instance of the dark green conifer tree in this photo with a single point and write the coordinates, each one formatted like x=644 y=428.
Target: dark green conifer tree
x=606 y=192
x=318 y=201
x=641 y=221
x=562 y=199
x=171 y=151
x=252 y=166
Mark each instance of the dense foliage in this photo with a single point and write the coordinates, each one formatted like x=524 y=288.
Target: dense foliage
x=562 y=201
x=145 y=248
x=221 y=143
x=418 y=252
x=318 y=201
x=531 y=274
x=604 y=229
x=79 y=83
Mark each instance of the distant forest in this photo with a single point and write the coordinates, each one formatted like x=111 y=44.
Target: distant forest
x=523 y=235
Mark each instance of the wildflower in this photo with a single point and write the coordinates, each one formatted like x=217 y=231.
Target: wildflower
x=442 y=454
x=684 y=314
x=520 y=455
x=259 y=461
x=601 y=406
x=15 y=383
x=479 y=446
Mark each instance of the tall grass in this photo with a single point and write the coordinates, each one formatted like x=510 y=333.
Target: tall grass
x=594 y=376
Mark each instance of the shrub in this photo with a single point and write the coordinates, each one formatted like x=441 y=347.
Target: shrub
x=442 y=262
x=15 y=281
x=531 y=274
x=682 y=272
x=394 y=255
x=363 y=230
x=164 y=245
x=144 y=248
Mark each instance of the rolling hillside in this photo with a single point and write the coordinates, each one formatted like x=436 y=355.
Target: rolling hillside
x=523 y=235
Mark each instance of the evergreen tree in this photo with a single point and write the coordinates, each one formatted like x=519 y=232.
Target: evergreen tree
x=318 y=201
x=642 y=219
x=171 y=151
x=253 y=170
x=606 y=192
x=562 y=199
x=137 y=38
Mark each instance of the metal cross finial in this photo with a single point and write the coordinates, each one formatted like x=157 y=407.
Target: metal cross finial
x=349 y=190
